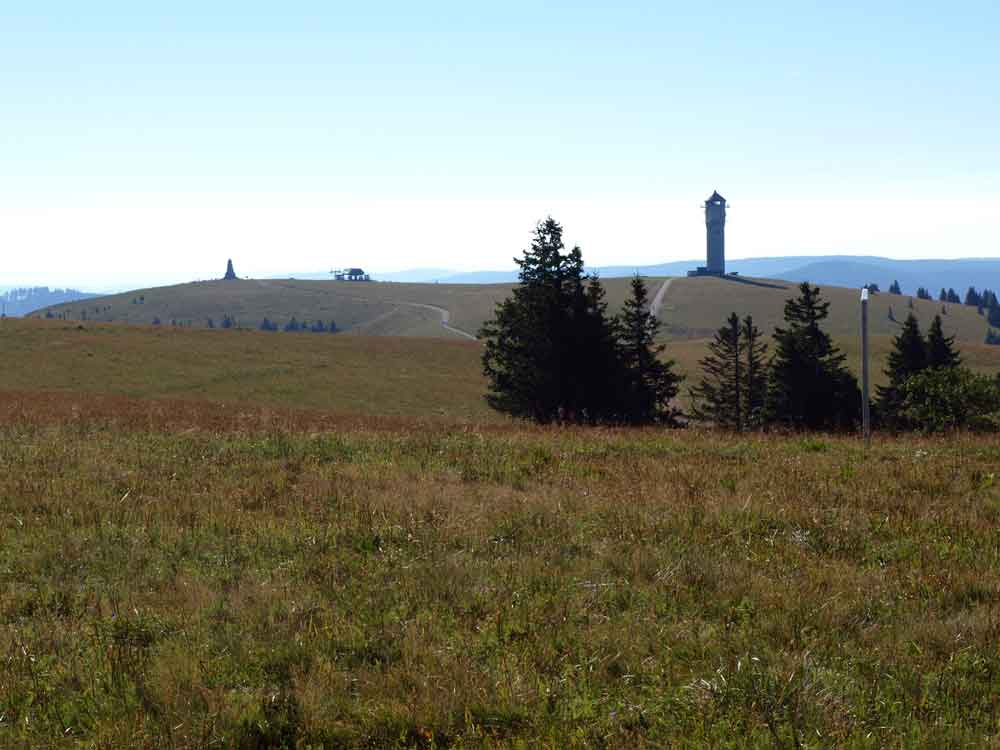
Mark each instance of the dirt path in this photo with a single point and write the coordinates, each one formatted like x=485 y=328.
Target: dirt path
x=445 y=317
x=657 y=303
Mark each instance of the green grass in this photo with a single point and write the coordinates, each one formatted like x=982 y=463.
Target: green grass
x=694 y=308
x=697 y=307
x=367 y=308
x=372 y=375
x=350 y=374
x=194 y=578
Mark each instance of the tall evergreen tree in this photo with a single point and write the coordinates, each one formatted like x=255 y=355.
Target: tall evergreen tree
x=940 y=348
x=993 y=313
x=650 y=383
x=943 y=296
x=755 y=374
x=972 y=298
x=809 y=387
x=550 y=351
x=922 y=293
x=953 y=297
x=894 y=288
x=718 y=397
x=908 y=357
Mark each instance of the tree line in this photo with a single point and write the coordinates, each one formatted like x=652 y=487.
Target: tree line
x=554 y=354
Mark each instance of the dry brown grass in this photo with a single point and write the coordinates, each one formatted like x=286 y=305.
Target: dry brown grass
x=349 y=374
x=183 y=574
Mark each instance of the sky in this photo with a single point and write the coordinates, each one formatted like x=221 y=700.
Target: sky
x=144 y=145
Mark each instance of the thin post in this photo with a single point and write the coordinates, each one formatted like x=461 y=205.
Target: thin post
x=866 y=419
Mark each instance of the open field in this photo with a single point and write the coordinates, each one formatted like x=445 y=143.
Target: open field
x=373 y=375
x=187 y=575
x=350 y=374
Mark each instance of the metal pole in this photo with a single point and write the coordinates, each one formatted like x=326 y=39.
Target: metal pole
x=866 y=419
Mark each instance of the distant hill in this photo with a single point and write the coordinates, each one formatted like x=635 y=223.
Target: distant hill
x=693 y=307
x=22 y=301
x=369 y=308
x=838 y=270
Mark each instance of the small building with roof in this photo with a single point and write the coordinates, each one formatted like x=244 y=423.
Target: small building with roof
x=351 y=274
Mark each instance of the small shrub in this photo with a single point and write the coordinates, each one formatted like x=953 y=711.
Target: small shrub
x=941 y=399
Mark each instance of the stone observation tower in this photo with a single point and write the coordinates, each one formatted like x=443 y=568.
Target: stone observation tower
x=715 y=224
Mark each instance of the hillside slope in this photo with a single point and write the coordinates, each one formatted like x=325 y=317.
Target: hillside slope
x=693 y=307
x=696 y=307
x=388 y=309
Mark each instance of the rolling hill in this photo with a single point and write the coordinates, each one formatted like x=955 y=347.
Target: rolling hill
x=359 y=308
x=693 y=307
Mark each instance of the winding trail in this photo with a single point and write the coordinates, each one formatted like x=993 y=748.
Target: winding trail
x=657 y=303
x=445 y=318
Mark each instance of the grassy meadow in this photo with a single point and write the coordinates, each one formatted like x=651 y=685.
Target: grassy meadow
x=373 y=375
x=697 y=307
x=229 y=538
x=693 y=307
x=188 y=575
x=348 y=374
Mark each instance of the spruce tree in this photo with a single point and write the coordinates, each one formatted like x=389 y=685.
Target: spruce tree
x=908 y=357
x=894 y=288
x=549 y=349
x=755 y=374
x=972 y=298
x=940 y=348
x=943 y=296
x=809 y=386
x=717 y=398
x=993 y=313
x=953 y=297
x=650 y=382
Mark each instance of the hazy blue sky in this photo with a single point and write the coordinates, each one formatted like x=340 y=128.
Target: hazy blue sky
x=300 y=136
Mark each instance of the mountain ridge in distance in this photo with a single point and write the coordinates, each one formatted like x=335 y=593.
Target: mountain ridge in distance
x=837 y=270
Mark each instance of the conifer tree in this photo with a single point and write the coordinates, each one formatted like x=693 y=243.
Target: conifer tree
x=718 y=397
x=755 y=374
x=993 y=313
x=894 y=288
x=943 y=296
x=650 y=382
x=940 y=348
x=809 y=386
x=908 y=357
x=549 y=349
x=953 y=297
x=972 y=298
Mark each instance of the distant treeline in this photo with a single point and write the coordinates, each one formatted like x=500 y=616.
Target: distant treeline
x=25 y=300
x=985 y=302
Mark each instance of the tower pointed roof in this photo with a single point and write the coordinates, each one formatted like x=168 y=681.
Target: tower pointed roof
x=716 y=197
